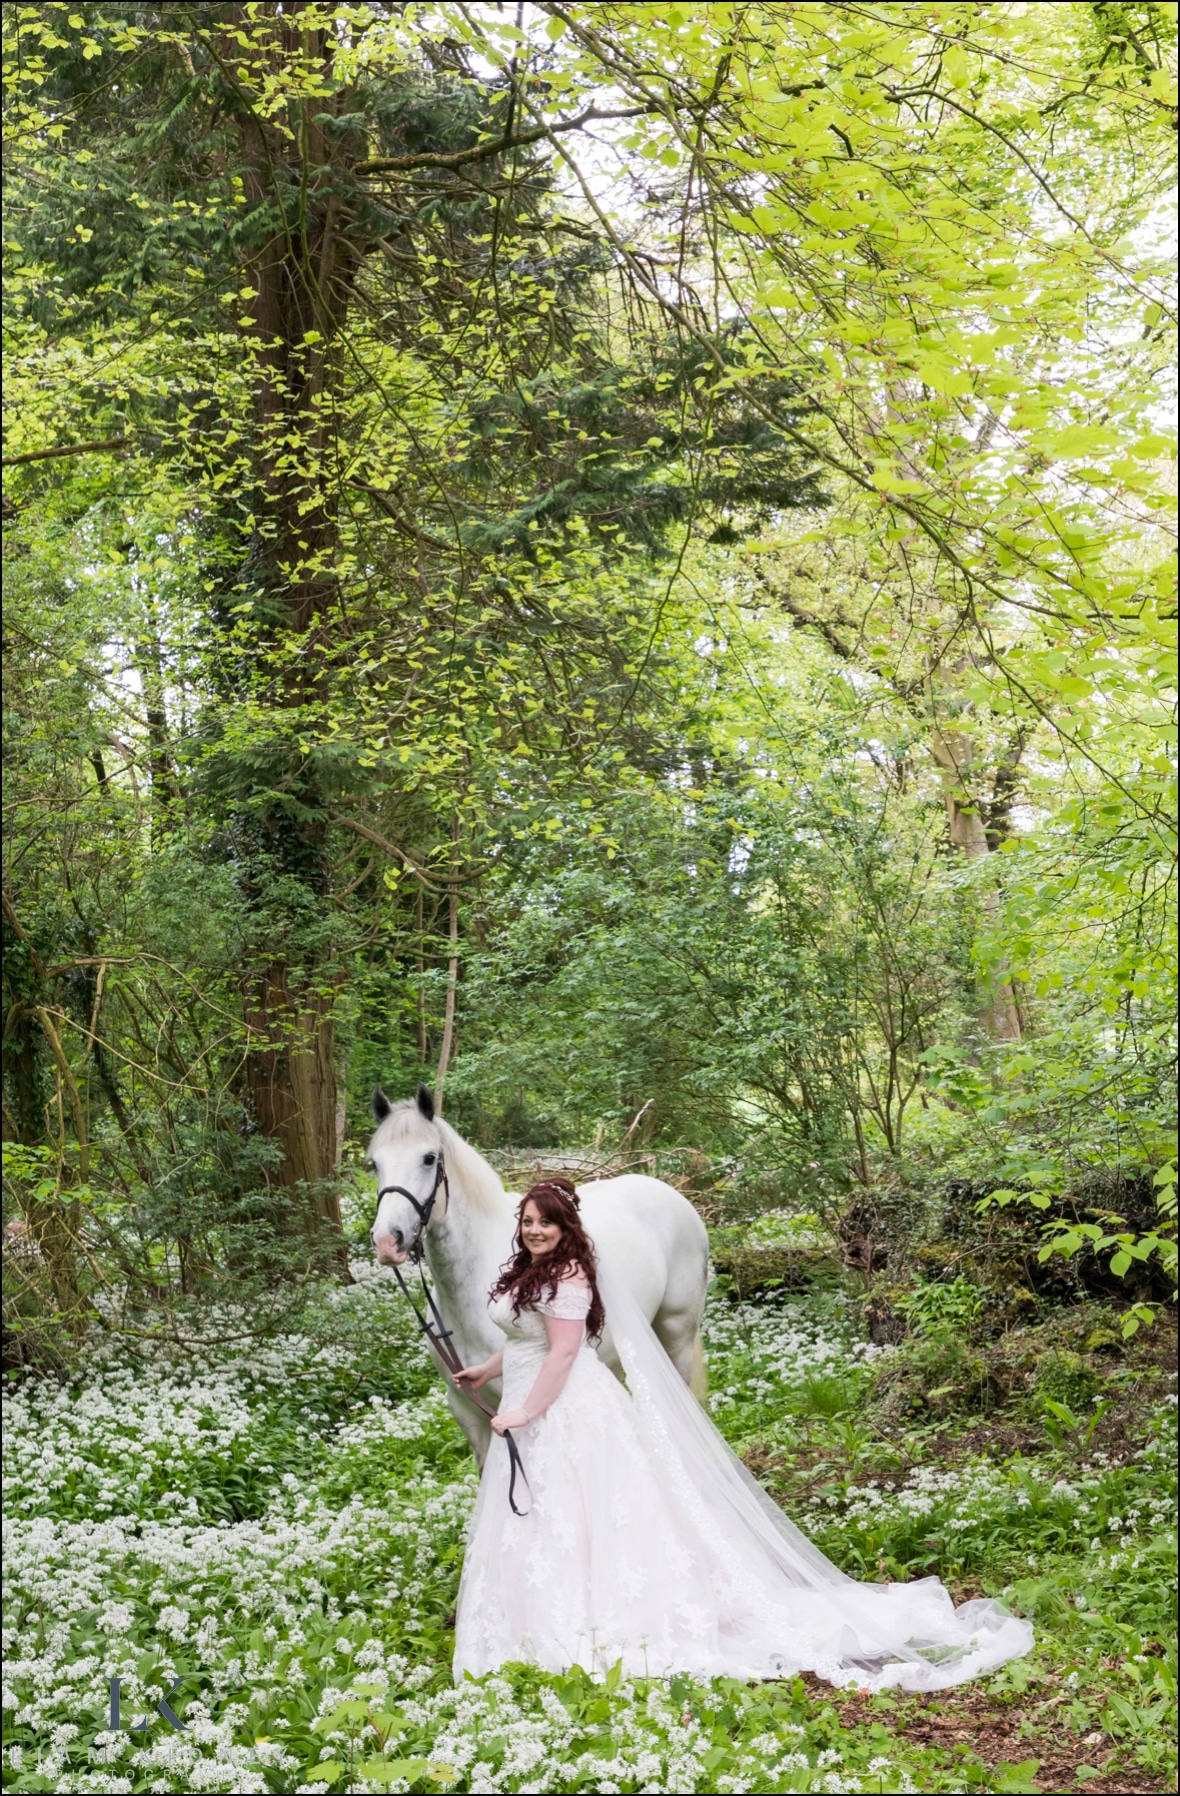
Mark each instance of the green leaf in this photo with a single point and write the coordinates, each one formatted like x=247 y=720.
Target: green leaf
x=347 y=1711
x=385 y=1770
x=1016 y=1780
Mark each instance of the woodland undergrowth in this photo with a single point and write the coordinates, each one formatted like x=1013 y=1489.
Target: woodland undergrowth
x=279 y=1527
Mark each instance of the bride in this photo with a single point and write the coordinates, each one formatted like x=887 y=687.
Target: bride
x=646 y=1541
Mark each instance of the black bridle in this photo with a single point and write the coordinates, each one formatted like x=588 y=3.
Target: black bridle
x=435 y=1330
x=423 y=1211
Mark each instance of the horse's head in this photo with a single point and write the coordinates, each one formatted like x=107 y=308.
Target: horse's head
x=406 y=1155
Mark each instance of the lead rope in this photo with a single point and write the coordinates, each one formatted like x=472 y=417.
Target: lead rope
x=440 y=1339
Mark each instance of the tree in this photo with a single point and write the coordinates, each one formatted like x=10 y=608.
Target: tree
x=419 y=465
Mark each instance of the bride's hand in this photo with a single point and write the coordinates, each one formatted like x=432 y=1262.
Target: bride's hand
x=512 y=1418
x=471 y=1377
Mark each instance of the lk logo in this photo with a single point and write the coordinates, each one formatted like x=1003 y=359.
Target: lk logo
x=163 y=1707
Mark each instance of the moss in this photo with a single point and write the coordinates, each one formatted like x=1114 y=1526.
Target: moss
x=938 y=1257
x=766 y=1271
x=1066 y=1378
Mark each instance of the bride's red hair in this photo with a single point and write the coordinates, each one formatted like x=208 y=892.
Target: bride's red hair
x=529 y=1281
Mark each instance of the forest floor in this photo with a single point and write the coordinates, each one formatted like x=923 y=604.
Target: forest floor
x=279 y=1525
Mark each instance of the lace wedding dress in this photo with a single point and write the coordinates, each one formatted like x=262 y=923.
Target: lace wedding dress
x=646 y=1541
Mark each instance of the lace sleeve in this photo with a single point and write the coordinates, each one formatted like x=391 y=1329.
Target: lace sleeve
x=570 y=1302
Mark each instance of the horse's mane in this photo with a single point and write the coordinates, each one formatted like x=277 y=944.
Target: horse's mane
x=480 y=1181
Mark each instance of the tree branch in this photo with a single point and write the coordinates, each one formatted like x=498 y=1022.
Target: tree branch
x=370 y=835
x=71 y=1085
x=382 y=165
x=405 y=524
x=101 y=445
x=808 y=618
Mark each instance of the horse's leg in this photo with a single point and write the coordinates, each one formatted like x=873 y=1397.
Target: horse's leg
x=678 y=1320
x=679 y=1332
x=699 y=1382
x=474 y=1424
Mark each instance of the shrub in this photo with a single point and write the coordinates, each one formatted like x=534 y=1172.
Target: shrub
x=939 y=1310
x=1066 y=1378
x=935 y=1378
x=755 y=1272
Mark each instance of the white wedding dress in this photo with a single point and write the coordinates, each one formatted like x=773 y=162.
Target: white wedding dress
x=646 y=1541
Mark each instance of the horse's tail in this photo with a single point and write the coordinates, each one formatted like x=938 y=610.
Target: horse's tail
x=699 y=1381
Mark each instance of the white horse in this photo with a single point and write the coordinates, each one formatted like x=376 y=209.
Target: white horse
x=650 y=1231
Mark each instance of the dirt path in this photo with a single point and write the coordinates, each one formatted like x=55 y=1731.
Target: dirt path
x=1006 y=1734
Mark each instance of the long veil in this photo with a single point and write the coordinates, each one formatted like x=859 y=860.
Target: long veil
x=784 y=1606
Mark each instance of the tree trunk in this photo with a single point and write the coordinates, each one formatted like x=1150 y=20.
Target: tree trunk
x=341 y=1116
x=444 y=1056
x=303 y=279
x=165 y=788
x=52 y=1227
x=954 y=752
x=51 y=1223
x=421 y=929
x=292 y=1081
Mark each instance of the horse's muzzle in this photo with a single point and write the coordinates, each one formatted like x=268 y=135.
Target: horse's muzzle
x=390 y=1249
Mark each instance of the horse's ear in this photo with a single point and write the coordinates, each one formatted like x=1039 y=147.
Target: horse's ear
x=426 y=1103
x=381 y=1105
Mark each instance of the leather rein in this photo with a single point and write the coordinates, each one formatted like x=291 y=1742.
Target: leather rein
x=436 y=1331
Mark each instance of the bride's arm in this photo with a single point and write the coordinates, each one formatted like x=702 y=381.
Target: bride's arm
x=474 y=1376
x=565 y=1339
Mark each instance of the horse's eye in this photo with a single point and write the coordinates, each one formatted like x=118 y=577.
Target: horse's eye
x=372 y=1165
x=428 y=1159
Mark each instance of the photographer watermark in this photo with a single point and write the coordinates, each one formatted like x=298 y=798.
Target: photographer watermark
x=163 y=1707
